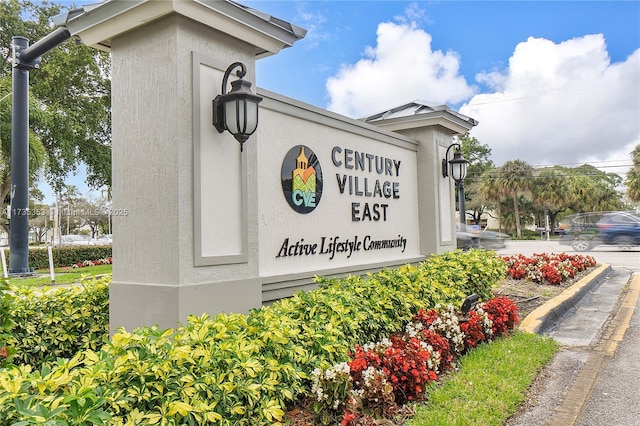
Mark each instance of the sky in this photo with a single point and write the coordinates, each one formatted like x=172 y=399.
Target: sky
x=550 y=82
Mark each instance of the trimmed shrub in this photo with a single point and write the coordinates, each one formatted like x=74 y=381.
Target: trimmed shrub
x=6 y=324
x=51 y=323
x=65 y=256
x=232 y=369
x=383 y=376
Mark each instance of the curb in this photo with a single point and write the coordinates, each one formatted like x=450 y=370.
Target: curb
x=544 y=317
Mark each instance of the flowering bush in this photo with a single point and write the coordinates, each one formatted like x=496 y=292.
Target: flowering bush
x=422 y=328
x=332 y=387
x=374 y=394
x=473 y=330
x=440 y=348
x=409 y=365
x=364 y=359
x=503 y=313
x=446 y=324
x=84 y=264
x=547 y=267
x=382 y=375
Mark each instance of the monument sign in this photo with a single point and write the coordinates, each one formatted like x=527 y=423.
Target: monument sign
x=212 y=228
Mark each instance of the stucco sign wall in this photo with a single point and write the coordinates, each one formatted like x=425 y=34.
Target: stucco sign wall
x=212 y=229
x=332 y=195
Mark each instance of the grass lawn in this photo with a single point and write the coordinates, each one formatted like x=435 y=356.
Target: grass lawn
x=62 y=276
x=491 y=384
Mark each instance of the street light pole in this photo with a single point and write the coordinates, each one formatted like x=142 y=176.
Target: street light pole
x=461 y=206
x=19 y=222
x=457 y=169
x=24 y=58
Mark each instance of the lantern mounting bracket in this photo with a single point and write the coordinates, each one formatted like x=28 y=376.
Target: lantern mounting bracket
x=457 y=160
x=218 y=113
x=237 y=110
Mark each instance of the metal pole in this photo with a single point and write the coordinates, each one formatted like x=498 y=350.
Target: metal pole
x=546 y=223
x=24 y=58
x=19 y=224
x=43 y=45
x=461 y=206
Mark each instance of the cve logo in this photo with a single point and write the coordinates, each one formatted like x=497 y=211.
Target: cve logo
x=301 y=177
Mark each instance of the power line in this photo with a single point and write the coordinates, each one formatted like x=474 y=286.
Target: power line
x=593 y=163
x=499 y=175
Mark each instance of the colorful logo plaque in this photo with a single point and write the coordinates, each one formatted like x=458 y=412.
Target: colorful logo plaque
x=301 y=179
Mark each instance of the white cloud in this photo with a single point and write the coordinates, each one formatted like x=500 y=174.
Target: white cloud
x=399 y=69
x=559 y=104
x=313 y=21
x=555 y=103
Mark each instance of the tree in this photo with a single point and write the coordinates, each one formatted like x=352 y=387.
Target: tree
x=72 y=91
x=479 y=163
x=633 y=177
x=592 y=190
x=525 y=216
x=39 y=222
x=514 y=178
x=37 y=152
x=68 y=205
x=491 y=193
x=92 y=214
x=550 y=191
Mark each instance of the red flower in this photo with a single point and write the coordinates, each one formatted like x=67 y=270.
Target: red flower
x=407 y=355
x=4 y=353
x=346 y=419
x=439 y=344
x=553 y=268
x=473 y=331
x=361 y=361
x=504 y=314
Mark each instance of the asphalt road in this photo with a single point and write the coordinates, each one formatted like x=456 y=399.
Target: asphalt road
x=594 y=379
x=613 y=399
x=603 y=254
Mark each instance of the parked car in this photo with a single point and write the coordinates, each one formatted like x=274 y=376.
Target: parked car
x=621 y=229
x=467 y=238
x=470 y=236
x=492 y=240
x=75 y=240
x=588 y=230
x=104 y=240
x=559 y=231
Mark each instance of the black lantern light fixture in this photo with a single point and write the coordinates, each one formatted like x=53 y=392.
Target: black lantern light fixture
x=236 y=111
x=457 y=169
x=457 y=166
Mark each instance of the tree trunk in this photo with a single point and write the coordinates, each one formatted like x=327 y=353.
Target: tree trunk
x=516 y=211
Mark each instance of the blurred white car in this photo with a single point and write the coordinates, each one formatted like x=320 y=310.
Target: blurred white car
x=75 y=240
x=104 y=240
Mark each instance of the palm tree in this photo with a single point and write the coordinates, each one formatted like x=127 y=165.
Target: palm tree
x=633 y=177
x=549 y=191
x=37 y=153
x=593 y=190
x=515 y=177
x=490 y=191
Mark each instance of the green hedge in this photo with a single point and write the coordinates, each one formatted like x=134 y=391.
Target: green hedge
x=237 y=369
x=65 y=256
x=6 y=324
x=51 y=323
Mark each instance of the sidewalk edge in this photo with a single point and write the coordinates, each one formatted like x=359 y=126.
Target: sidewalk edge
x=545 y=316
